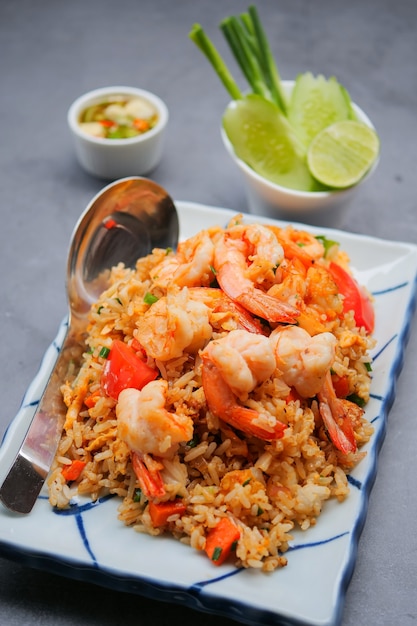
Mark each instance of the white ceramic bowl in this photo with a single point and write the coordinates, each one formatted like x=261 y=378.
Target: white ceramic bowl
x=322 y=208
x=117 y=158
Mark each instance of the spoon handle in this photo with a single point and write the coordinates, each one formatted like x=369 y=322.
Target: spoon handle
x=32 y=463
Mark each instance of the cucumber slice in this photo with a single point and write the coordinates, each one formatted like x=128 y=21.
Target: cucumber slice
x=262 y=137
x=317 y=102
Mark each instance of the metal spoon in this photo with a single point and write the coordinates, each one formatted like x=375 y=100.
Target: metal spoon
x=123 y=222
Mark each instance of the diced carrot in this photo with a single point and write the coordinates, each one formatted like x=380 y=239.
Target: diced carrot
x=107 y=123
x=161 y=511
x=73 y=471
x=91 y=400
x=141 y=124
x=220 y=540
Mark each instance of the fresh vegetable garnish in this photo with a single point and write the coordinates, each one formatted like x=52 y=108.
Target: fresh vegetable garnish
x=263 y=138
x=104 y=352
x=221 y=539
x=273 y=133
x=124 y=369
x=355 y=299
x=317 y=102
x=341 y=154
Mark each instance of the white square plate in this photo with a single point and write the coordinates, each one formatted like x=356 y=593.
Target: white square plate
x=89 y=543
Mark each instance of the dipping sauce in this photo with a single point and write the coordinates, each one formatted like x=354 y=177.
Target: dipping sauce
x=119 y=117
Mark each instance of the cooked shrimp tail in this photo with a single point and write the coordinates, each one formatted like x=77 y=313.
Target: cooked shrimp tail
x=223 y=404
x=219 y=301
x=147 y=473
x=255 y=300
x=237 y=258
x=335 y=415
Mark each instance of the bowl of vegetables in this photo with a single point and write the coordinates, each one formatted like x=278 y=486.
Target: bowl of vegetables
x=303 y=147
x=118 y=131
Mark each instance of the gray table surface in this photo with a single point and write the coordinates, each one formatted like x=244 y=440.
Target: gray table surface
x=52 y=51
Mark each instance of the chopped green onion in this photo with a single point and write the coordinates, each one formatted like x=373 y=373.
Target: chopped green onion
x=193 y=442
x=119 y=301
x=216 y=553
x=326 y=243
x=271 y=73
x=243 y=52
x=246 y=482
x=202 y=41
x=104 y=352
x=356 y=400
x=149 y=298
x=368 y=366
x=250 y=47
x=100 y=308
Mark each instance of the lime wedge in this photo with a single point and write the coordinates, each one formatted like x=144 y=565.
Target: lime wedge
x=341 y=154
x=262 y=137
x=317 y=102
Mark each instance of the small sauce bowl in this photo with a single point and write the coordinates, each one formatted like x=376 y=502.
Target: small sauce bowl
x=111 y=159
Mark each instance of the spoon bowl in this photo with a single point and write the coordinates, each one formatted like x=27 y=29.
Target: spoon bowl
x=123 y=222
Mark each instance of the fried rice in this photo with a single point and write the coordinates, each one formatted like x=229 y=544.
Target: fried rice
x=266 y=488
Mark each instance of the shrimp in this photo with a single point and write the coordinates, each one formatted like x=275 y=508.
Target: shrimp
x=149 y=430
x=242 y=257
x=299 y=244
x=232 y=367
x=322 y=293
x=219 y=302
x=311 y=290
x=302 y=360
x=144 y=423
x=337 y=415
x=292 y=282
x=190 y=266
x=173 y=324
x=243 y=359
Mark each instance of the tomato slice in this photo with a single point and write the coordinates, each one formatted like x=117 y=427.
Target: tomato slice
x=124 y=369
x=355 y=298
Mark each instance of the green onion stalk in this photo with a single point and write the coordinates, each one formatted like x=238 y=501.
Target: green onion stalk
x=250 y=47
